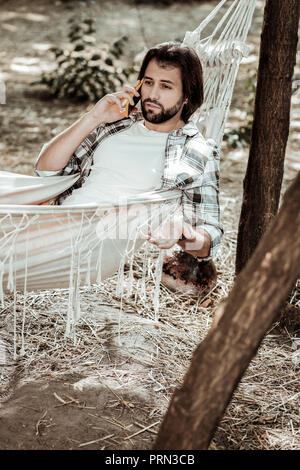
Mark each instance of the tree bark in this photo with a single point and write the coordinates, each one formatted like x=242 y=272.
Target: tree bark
x=220 y=360
x=263 y=179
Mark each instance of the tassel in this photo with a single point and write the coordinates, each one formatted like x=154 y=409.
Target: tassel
x=157 y=276
x=22 y=350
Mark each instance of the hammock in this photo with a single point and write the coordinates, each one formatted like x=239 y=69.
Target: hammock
x=221 y=54
x=48 y=246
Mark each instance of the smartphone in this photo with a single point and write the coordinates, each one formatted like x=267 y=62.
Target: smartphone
x=129 y=107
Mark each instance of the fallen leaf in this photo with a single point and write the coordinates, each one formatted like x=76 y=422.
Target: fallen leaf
x=127 y=404
x=206 y=303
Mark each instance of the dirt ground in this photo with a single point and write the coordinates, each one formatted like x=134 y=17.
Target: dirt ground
x=115 y=403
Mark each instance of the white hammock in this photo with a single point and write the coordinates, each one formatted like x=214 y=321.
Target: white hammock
x=44 y=246
x=221 y=54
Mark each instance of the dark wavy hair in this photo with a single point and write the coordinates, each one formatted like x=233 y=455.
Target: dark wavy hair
x=174 y=53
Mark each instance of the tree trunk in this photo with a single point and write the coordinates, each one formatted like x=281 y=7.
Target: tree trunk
x=262 y=183
x=221 y=359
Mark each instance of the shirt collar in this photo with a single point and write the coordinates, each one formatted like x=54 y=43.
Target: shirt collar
x=189 y=128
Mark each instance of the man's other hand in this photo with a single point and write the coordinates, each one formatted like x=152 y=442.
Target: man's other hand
x=195 y=241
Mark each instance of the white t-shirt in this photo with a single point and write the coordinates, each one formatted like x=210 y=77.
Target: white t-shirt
x=129 y=162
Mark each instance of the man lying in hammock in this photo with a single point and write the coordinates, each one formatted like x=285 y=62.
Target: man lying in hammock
x=157 y=147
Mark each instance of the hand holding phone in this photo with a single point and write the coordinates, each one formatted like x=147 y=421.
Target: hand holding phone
x=128 y=106
x=115 y=106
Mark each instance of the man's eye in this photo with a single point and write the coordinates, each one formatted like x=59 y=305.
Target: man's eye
x=166 y=86
x=147 y=82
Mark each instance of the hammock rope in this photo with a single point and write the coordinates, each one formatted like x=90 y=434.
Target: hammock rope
x=47 y=246
x=221 y=54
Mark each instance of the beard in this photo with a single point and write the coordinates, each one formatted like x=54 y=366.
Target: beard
x=164 y=115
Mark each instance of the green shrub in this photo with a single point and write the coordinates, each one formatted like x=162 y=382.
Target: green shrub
x=85 y=71
x=241 y=136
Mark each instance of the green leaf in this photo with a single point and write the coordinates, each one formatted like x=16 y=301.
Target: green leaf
x=79 y=47
x=96 y=57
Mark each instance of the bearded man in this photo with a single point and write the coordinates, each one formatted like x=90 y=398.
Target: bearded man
x=158 y=147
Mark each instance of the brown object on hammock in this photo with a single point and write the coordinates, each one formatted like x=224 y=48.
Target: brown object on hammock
x=184 y=273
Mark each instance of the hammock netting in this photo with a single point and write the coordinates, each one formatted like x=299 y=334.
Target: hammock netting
x=44 y=246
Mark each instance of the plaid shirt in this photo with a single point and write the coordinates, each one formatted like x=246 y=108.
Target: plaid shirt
x=191 y=164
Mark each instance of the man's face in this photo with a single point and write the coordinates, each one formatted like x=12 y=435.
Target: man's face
x=161 y=94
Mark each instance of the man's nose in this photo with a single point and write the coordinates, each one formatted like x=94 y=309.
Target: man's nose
x=154 y=93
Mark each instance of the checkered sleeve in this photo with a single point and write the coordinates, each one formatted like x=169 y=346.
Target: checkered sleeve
x=80 y=162
x=201 y=201
x=82 y=158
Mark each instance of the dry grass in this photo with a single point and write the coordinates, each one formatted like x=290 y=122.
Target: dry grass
x=133 y=350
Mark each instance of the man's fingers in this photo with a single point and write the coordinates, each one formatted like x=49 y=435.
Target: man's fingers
x=188 y=232
x=114 y=99
x=126 y=97
x=131 y=90
x=162 y=244
x=121 y=98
